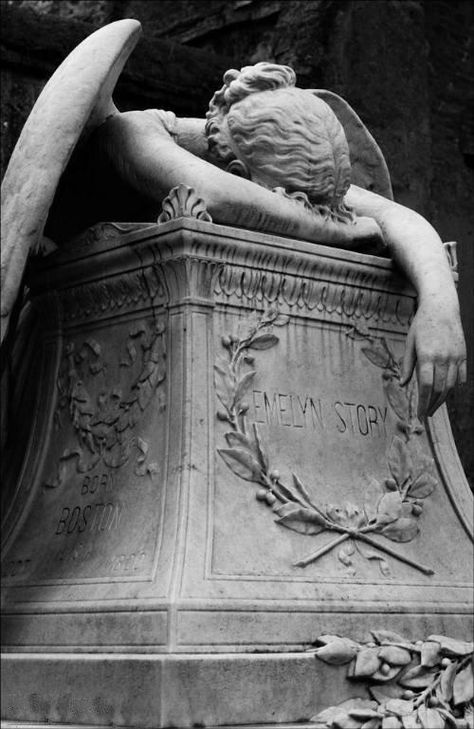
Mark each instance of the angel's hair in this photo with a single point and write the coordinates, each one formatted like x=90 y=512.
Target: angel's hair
x=287 y=137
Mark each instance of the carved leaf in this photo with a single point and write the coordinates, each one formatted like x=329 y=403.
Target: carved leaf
x=399 y=460
x=377 y=354
x=397 y=398
x=430 y=718
x=394 y=655
x=446 y=682
x=453 y=647
x=417 y=677
x=241 y=463
x=372 y=493
x=337 y=651
x=411 y=721
x=281 y=320
x=337 y=717
x=262 y=456
x=243 y=385
x=238 y=439
x=367 y=662
x=263 y=341
x=389 y=508
x=430 y=653
x=345 y=553
x=400 y=707
x=423 y=486
x=463 y=687
x=387 y=637
x=382 y=694
x=300 y=520
x=301 y=489
x=402 y=530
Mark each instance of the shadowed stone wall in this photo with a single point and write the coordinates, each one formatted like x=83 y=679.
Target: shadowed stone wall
x=406 y=66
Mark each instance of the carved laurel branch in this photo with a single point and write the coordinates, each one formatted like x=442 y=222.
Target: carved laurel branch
x=104 y=428
x=183 y=202
x=391 y=509
x=427 y=684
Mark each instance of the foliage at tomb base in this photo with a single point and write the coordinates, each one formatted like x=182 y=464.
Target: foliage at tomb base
x=423 y=685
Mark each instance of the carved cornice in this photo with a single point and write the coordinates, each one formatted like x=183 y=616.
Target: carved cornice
x=193 y=260
x=107 y=296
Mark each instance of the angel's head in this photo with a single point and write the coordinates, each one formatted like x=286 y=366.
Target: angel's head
x=260 y=126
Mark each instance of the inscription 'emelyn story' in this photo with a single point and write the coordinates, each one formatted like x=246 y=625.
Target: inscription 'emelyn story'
x=292 y=410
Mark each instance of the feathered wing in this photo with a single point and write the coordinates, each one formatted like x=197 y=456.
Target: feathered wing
x=369 y=169
x=76 y=99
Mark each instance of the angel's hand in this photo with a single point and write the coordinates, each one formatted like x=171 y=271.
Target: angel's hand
x=435 y=345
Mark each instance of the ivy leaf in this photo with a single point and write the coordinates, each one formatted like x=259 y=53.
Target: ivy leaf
x=263 y=341
x=463 y=686
x=397 y=398
x=301 y=520
x=402 y=530
x=241 y=463
x=424 y=485
x=399 y=460
x=430 y=653
x=243 y=385
x=389 y=508
x=367 y=662
x=453 y=647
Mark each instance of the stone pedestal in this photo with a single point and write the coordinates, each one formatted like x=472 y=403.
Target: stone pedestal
x=222 y=467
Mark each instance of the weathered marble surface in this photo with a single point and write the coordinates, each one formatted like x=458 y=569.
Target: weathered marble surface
x=143 y=564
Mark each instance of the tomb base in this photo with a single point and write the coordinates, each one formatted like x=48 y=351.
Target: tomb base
x=222 y=467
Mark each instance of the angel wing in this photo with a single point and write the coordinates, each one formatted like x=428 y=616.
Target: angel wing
x=76 y=99
x=369 y=169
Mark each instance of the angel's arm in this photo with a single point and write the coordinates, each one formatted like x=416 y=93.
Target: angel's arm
x=145 y=156
x=435 y=342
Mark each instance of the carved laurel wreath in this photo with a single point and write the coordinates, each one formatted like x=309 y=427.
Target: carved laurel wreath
x=104 y=428
x=391 y=510
x=423 y=685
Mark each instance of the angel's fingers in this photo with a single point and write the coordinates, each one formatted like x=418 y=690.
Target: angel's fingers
x=445 y=387
x=425 y=387
x=409 y=359
x=462 y=373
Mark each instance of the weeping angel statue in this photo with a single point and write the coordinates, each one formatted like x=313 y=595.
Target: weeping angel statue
x=268 y=156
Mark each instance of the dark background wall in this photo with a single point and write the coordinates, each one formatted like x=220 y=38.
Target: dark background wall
x=406 y=66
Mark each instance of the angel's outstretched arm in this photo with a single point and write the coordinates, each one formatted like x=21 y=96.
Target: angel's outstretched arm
x=145 y=156
x=435 y=342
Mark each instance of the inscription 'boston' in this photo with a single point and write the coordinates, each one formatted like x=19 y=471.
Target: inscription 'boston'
x=291 y=410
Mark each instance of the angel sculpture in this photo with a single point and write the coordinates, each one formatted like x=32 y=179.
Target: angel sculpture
x=269 y=156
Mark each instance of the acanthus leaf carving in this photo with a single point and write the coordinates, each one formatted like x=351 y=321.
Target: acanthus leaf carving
x=183 y=201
